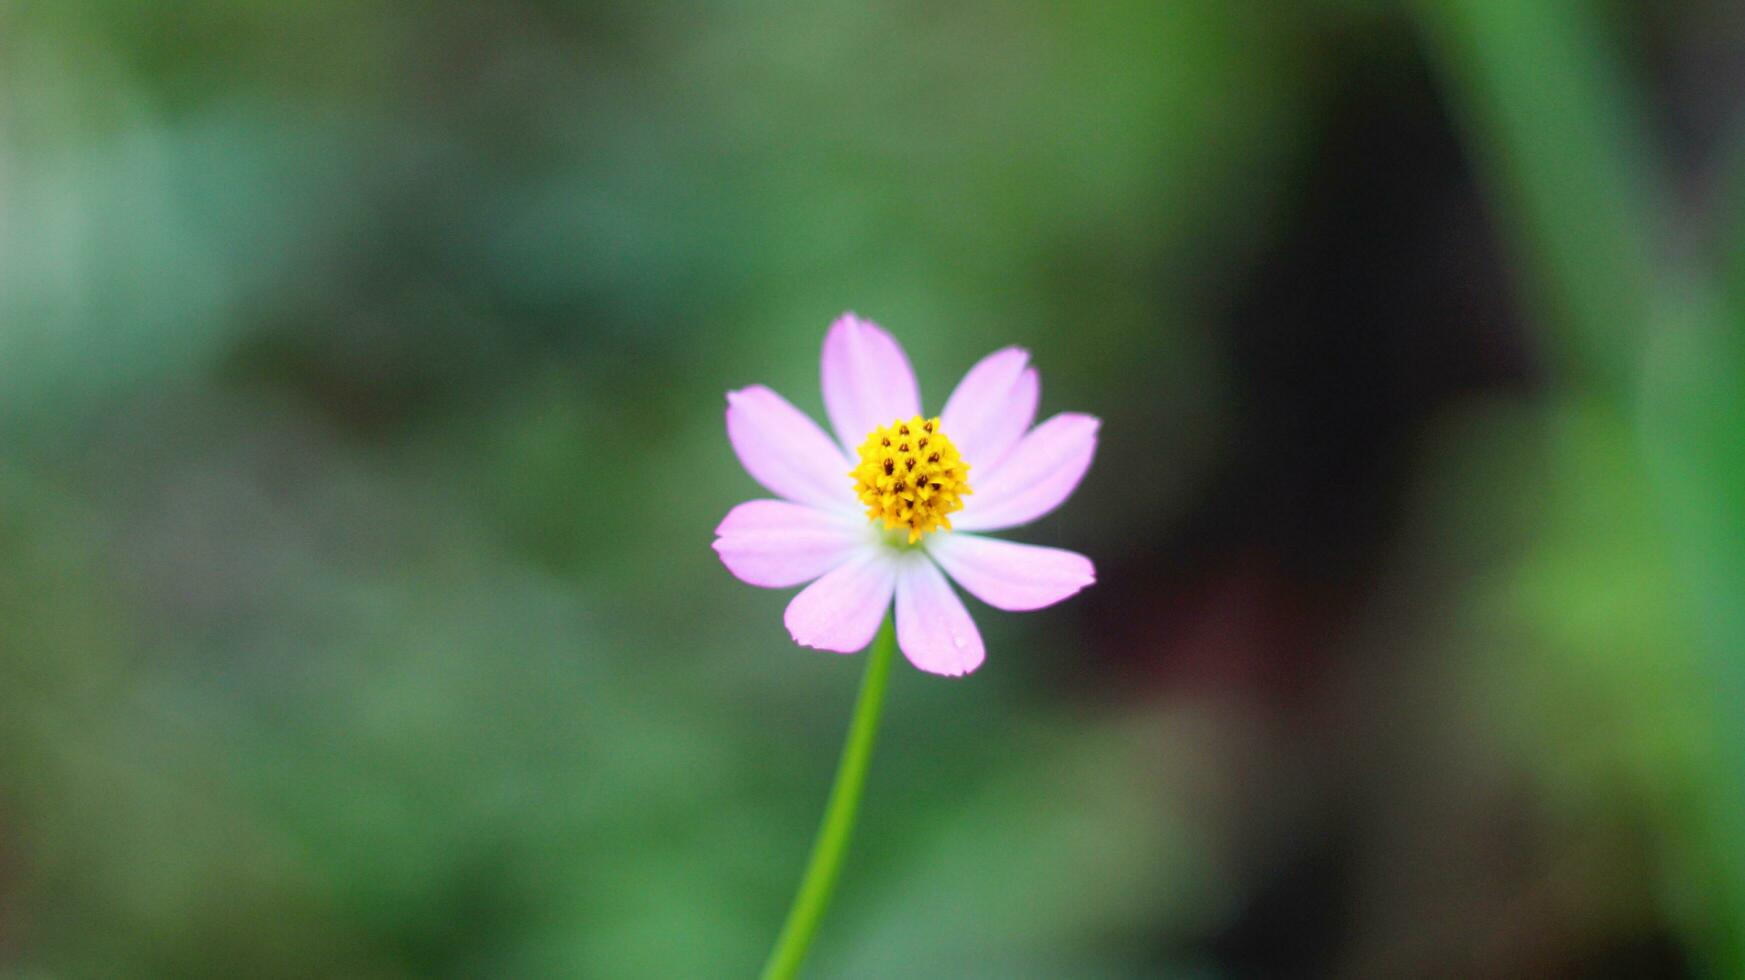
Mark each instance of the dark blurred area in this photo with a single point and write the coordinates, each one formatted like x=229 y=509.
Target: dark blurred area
x=361 y=376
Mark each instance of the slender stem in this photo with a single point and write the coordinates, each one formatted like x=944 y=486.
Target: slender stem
x=822 y=868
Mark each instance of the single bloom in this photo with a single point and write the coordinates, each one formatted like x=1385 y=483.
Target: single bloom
x=888 y=509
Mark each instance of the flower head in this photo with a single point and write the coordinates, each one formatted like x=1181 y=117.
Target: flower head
x=911 y=476
x=888 y=520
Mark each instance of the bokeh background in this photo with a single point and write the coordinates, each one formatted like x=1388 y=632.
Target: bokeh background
x=361 y=376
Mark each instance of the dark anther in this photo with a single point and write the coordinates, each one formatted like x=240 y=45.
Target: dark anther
x=933 y=458
x=911 y=463
x=903 y=429
x=903 y=448
x=922 y=444
x=935 y=486
x=886 y=441
x=889 y=466
x=928 y=425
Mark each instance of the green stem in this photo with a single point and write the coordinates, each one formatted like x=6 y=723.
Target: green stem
x=819 y=882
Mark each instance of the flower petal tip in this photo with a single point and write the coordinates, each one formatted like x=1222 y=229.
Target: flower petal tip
x=784 y=450
x=934 y=629
x=850 y=319
x=774 y=544
x=819 y=643
x=866 y=377
x=722 y=528
x=841 y=611
x=1010 y=576
x=1036 y=476
x=951 y=670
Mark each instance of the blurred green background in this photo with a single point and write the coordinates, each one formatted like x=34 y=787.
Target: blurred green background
x=361 y=375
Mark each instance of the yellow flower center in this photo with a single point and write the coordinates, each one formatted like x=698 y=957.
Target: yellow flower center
x=911 y=476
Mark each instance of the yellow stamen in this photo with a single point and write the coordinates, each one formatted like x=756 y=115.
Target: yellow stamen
x=911 y=476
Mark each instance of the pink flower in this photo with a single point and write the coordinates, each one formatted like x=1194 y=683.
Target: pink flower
x=880 y=513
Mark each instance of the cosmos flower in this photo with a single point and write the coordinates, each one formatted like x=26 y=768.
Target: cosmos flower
x=885 y=510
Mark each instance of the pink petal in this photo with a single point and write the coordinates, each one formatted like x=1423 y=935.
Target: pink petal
x=1007 y=575
x=842 y=610
x=775 y=544
x=867 y=380
x=1034 y=478
x=992 y=407
x=786 y=451
x=933 y=628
